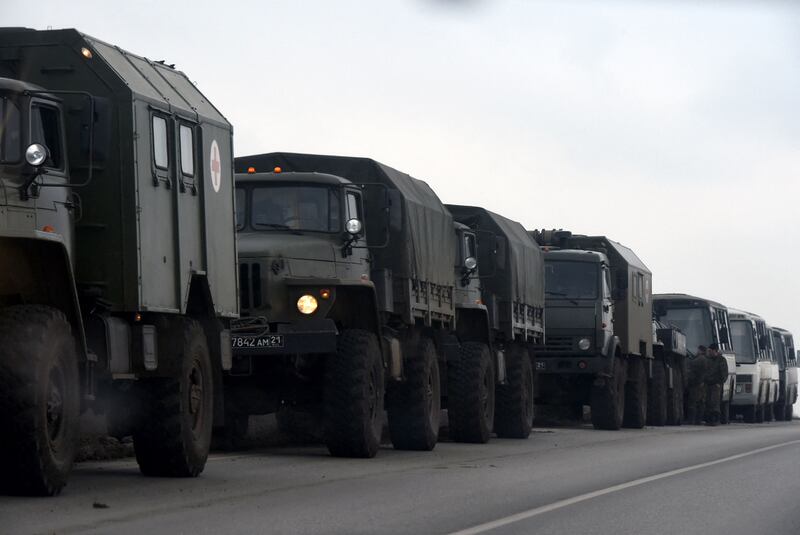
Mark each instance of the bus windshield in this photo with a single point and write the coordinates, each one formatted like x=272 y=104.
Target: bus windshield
x=694 y=322
x=742 y=338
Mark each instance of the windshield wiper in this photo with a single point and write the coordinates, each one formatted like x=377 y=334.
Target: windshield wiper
x=274 y=225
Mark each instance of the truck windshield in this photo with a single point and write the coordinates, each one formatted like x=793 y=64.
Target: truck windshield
x=289 y=207
x=10 y=131
x=571 y=280
x=742 y=338
x=694 y=322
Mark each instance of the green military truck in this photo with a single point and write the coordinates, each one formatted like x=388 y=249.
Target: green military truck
x=509 y=318
x=598 y=348
x=374 y=249
x=117 y=257
x=669 y=382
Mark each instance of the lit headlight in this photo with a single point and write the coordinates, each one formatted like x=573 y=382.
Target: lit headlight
x=307 y=304
x=584 y=343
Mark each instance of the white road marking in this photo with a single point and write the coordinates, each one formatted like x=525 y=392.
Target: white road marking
x=530 y=513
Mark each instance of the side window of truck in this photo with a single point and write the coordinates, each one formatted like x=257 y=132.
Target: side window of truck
x=241 y=208
x=160 y=143
x=186 y=135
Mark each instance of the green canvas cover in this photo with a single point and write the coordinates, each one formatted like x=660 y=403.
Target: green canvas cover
x=520 y=277
x=425 y=247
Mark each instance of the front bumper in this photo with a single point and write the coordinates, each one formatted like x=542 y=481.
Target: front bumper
x=299 y=338
x=571 y=364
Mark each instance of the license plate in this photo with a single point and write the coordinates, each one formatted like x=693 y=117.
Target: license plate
x=541 y=365
x=257 y=342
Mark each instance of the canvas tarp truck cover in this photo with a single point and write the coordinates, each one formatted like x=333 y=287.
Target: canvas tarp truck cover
x=520 y=277
x=423 y=249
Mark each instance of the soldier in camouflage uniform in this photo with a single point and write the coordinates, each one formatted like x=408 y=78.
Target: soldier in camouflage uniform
x=697 y=389
x=716 y=374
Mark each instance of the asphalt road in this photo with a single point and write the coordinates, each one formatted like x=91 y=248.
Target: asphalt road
x=732 y=479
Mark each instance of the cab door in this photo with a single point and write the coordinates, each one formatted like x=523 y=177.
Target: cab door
x=606 y=306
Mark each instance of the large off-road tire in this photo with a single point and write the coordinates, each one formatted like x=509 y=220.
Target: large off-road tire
x=415 y=403
x=471 y=394
x=353 y=396
x=657 y=396
x=789 y=412
x=39 y=400
x=636 y=395
x=513 y=414
x=769 y=414
x=608 y=398
x=174 y=432
x=675 y=399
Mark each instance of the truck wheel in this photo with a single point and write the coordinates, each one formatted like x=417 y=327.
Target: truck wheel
x=675 y=403
x=749 y=413
x=636 y=396
x=657 y=396
x=789 y=412
x=769 y=415
x=514 y=409
x=353 y=394
x=471 y=394
x=608 y=398
x=174 y=434
x=415 y=403
x=39 y=400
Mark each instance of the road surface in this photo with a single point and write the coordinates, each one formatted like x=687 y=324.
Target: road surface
x=731 y=479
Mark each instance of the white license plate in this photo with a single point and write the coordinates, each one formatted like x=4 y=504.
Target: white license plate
x=256 y=342
x=541 y=365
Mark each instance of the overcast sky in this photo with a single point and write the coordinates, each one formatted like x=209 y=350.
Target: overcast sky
x=673 y=127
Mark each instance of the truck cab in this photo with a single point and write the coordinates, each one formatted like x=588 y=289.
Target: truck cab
x=756 y=373
x=702 y=321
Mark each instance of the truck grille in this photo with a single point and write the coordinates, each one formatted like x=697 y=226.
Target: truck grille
x=744 y=378
x=558 y=343
x=249 y=285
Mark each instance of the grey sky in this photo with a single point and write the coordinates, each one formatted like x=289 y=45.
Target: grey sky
x=671 y=126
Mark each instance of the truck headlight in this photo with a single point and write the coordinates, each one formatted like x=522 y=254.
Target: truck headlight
x=584 y=343
x=307 y=304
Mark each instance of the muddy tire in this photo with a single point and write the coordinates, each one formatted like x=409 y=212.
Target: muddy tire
x=636 y=395
x=789 y=412
x=759 y=414
x=780 y=412
x=608 y=398
x=174 y=433
x=675 y=400
x=514 y=408
x=657 y=398
x=353 y=396
x=415 y=403
x=471 y=394
x=39 y=400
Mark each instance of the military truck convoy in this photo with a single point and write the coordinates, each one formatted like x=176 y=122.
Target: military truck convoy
x=354 y=289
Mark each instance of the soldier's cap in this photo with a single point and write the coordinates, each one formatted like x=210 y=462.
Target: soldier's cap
x=714 y=346
x=701 y=348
